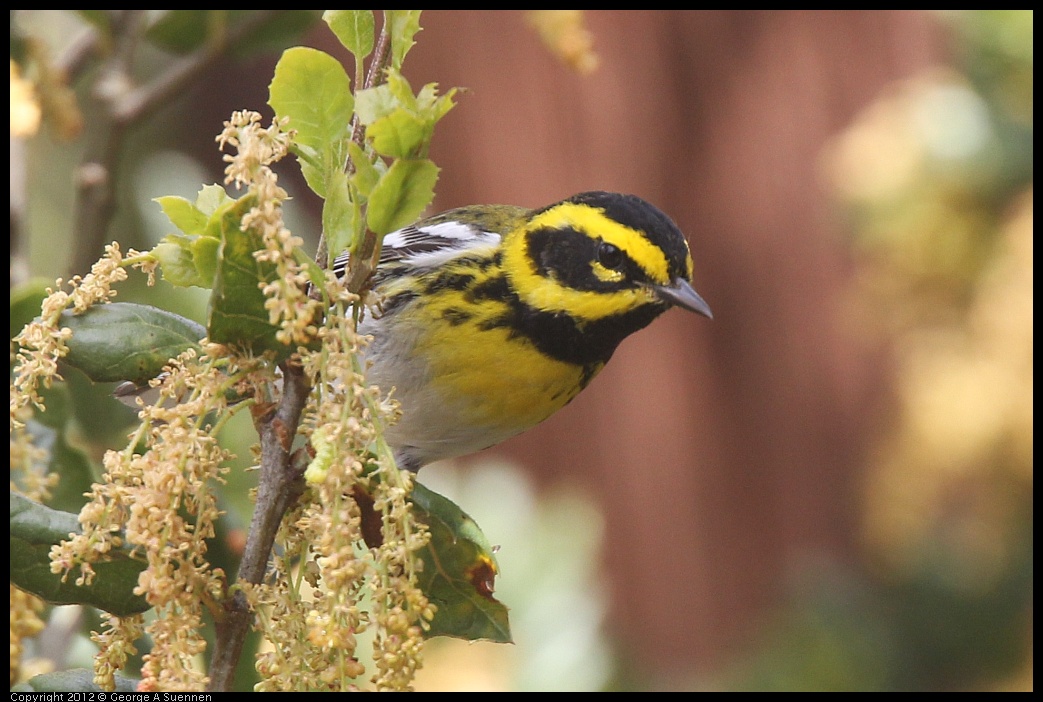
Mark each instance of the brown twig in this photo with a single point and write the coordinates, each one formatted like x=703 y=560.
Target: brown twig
x=378 y=64
x=363 y=262
x=281 y=484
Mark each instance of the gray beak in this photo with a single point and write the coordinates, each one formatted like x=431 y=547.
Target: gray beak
x=682 y=294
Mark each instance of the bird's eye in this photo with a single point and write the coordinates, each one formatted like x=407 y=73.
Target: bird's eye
x=609 y=255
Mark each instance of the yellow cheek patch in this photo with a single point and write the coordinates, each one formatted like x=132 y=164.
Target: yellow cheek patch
x=546 y=293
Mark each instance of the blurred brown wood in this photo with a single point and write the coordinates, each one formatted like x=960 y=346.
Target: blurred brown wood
x=724 y=453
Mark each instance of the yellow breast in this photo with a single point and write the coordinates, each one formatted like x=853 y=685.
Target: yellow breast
x=508 y=382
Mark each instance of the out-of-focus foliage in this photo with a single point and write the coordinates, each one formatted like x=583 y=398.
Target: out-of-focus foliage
x=937 y=179
x=548 y=543
x=566 y=36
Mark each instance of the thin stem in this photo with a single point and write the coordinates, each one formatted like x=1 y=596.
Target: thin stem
x=378 y=64
x=366 y=255
x=280 y=486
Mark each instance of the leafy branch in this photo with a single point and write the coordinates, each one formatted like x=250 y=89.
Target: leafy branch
x=426 y=567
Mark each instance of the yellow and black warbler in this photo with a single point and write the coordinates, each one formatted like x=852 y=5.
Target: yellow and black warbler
x=495 y=317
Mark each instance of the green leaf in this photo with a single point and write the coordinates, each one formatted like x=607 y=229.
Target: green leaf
x=126 y=341
x=312 y=168
x=339 y=213
x=401 y=195
x=177 y=263
x=401 y=90
x=69 y=461
x=433 y=105
x=212 y=198
x=237 y=315
x=34 y=529
x=458 y=574
x=66 y=431
x=401 y=134
x=367 y=173
x=190 y=258
x=183 y=214
x=74 y=680
x=205 y=251
x=313 y=90
x=373 y=103
x=398 y=123
x=316 y=274
x=404 y=26
x=59 y=413
x=354 y=28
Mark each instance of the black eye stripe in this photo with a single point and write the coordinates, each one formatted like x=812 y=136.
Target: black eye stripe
x=567 y=255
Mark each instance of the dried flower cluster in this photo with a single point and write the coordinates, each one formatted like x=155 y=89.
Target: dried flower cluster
x=41 y=344
x=115 y=646
x=25 y=107
x=162 y=503
x=40 y=94
x=287 y=301
x=25 y=624
x=313 y=623
x=313 y=633
x=29 y=477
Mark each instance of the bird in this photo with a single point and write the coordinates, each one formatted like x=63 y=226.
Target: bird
x=491 y=318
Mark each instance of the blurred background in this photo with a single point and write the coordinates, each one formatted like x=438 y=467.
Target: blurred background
x=827 y=487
